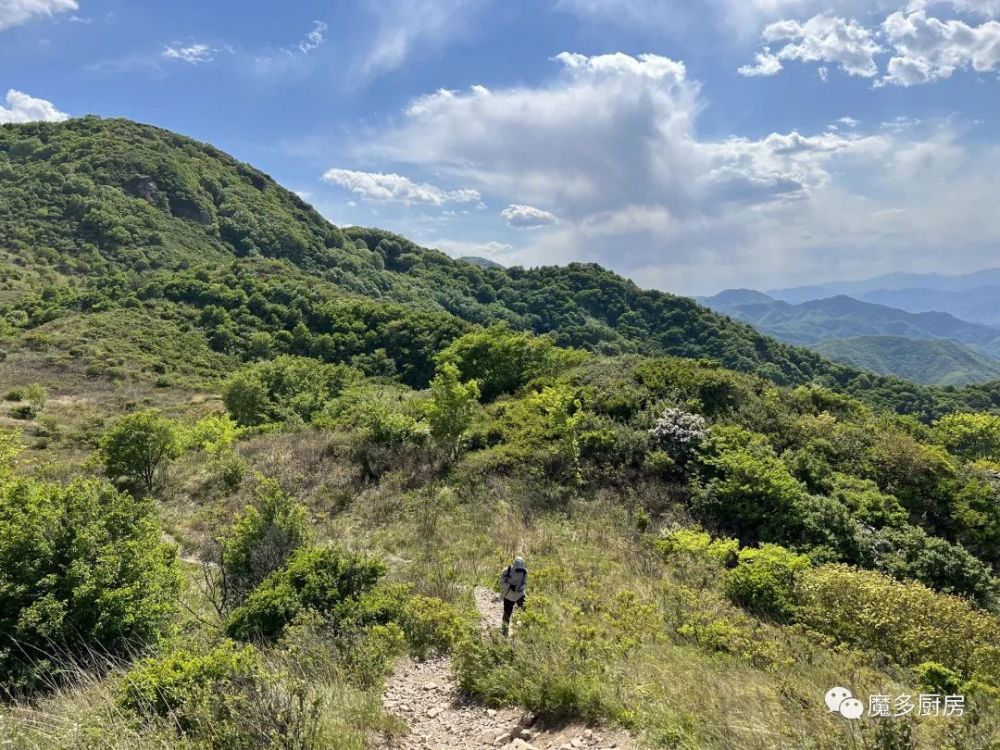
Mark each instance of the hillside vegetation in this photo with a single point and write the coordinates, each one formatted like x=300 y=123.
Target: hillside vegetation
x=249 y=461
x=920 y=360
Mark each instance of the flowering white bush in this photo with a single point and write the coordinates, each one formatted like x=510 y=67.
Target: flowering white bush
x=679 y=432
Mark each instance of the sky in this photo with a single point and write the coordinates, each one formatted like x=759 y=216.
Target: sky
x=691 y=145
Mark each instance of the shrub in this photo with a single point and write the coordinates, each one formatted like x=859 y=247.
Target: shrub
x=937 y=678
x=284 y=388
x=225 y=698
x=166 y=685
x=323 y=579
x=906 y=621
x=212 y=434
x=698 y=543
x=138 y=445
x=972 y=436
x=83 y=575
x=450 y=408
x=431 y=626
x=679 y=433
x=262 y=540
x=502 y=361
x=763 y=580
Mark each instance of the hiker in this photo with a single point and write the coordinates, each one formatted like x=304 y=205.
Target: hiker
x=513 y=583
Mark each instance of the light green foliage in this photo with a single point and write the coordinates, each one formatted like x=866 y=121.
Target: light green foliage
x=502 y=361
x=323 y=579
x=170 y=684
x=562 y=412
x=763 y=580
x=971 y=436
x=263 y=538
x=693 y=541
x=431 y=626
x=286 y=388
x=906 y=621
x=213 y=434
x=451 y=407
x=137 y=446
x=83 y=573
x=937 y=678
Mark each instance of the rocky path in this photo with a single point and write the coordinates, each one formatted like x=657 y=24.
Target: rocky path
x=424 y=695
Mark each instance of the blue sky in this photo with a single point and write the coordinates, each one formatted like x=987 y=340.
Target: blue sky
x=692 y=145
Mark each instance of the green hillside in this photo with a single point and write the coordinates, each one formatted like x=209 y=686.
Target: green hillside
x=934 y=361
x=255 y=470
x=109 y=213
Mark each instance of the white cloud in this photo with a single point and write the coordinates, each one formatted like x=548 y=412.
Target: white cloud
x=23 y=108
x=610 y=145
x=929 y=49
x=394 y=188
x=195 y=54
x=986 y=8
x=314 y=39
x=823 y=38
x=527 y=217
x=16 y=12
x=403 y=26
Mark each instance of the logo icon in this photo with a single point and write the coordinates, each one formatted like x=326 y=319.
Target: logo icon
x=841 y=700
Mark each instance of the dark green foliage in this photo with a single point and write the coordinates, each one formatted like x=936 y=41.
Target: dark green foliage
x=284 y=388
x=83 y=575
x=262 y=540
x=325 y=579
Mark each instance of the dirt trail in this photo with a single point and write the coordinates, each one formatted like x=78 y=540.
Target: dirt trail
x=425 y=696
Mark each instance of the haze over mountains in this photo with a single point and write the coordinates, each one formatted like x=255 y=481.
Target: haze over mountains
x=922 y=345
x=972 y=296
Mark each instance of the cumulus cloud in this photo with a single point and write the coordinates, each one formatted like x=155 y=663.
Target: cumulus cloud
x=194 y=54
x=23 y=108
x=402 y=26
x=394 y=188
x=929 y=49
x=823 y=38
x=16 y=12
x=527 y=217
x=610 y=144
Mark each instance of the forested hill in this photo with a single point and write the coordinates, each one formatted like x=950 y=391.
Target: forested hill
x=97 y=215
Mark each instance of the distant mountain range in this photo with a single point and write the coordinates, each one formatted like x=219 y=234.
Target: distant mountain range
x=928 y=347
x=974 y=297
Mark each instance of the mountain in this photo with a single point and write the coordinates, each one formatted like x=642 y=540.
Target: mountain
x=259 y=474
x=481 y=262
x=932 y=361
x=810 y=323
x=976 y=305
x=989 y=277
x=109 y=220
x=974 y=297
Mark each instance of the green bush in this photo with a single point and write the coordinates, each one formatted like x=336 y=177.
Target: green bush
x=324 y=579
x=286 y=388
x=501 y=360
x=937 y=678
x=906 y=621
x=431 y=626
x=263 y=539
x=764 y=579
x=83 y=575
x=137 y=446
x=166 y=685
